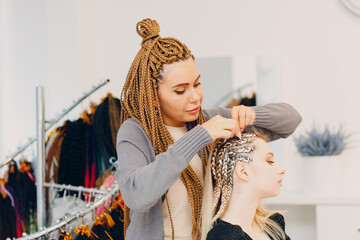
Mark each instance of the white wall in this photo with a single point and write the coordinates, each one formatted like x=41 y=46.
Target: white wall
x=43 y=43
x=23 y=66
x=2 y=43
x=68 y=46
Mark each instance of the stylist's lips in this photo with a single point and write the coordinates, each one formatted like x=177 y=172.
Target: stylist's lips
x=194 y=110
x=280 y=181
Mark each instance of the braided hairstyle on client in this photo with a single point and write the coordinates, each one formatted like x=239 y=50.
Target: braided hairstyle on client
x=223 y=161
x=139 y=100
x=219 y=182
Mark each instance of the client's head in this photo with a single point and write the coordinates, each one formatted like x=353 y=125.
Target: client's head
x=242 y=170
x=243 y=165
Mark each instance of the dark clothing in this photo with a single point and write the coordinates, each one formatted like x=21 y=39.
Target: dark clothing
x=224 y=230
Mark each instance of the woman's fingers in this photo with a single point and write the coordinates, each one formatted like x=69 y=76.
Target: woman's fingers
x=220 y=127
x=249 y=117
x=235 y=116
x=242 y=118
x=245 y=116
x=227 y=127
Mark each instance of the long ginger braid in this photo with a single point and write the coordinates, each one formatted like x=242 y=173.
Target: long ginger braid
x=139 y=100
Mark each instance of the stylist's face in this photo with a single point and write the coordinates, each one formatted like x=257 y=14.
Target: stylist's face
x=180 y=93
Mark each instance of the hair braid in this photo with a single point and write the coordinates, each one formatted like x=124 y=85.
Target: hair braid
x=226 y=174
x=217 y=184
x=218 y=178
x=139 y=100
x=224 y=158
x=114 y=117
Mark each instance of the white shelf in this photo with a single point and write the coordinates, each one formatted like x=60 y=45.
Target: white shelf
x=306 y=199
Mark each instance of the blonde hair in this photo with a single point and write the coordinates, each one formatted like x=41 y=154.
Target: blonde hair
x=219 y=183
x=139 y=100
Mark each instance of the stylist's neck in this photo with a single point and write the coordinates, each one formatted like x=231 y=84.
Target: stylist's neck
x=241 y=209
x=173 y=123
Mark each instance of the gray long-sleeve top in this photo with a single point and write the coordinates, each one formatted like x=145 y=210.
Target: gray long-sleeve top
x=144 y=178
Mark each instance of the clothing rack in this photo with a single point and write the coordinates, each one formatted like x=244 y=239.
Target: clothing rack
x=41 y=129
x=79 y=189
x=54 y=121
x=90 y=207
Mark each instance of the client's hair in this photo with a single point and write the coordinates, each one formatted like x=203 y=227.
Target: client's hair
x=219 y=182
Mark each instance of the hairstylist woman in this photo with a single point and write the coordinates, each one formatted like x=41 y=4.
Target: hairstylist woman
x=162 y=144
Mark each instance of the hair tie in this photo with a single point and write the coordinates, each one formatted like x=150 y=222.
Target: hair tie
x=150 y=37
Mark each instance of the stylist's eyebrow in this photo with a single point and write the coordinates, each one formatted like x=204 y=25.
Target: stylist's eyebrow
x=270 y=153
x=185 y=84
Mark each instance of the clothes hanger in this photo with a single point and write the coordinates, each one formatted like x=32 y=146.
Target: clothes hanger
x=114 y=163
x=66 y=233
x=79 y=195
x=47 y=234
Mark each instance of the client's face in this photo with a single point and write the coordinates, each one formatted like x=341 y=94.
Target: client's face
x=265 y=174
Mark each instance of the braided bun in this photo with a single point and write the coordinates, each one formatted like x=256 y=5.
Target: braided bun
x=147 y=29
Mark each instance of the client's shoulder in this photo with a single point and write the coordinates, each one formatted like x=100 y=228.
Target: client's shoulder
x=225 y=230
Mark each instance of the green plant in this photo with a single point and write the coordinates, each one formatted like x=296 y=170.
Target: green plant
x=319 y=143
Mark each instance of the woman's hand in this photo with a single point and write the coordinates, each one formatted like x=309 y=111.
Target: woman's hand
x=244 y=116
x=220 y=127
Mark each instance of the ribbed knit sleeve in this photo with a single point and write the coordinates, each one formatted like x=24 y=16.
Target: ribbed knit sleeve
x=276 y=120
x=192 y=142
x=143 y=177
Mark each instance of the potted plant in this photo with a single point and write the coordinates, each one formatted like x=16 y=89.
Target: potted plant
x=322 y=143
x=322 y=151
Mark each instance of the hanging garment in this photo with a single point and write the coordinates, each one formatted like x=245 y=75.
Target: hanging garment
x=109 y=181
x=53 y=156
x=19 y=228
x=11 y=176
x=7 y=218
x=106 y=125
x=26 y=193
x=72 y=156
x=90 y=158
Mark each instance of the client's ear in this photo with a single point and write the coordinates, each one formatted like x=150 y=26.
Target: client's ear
x=240 y=171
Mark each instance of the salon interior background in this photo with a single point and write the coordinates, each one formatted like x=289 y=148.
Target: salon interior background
x=69 y=45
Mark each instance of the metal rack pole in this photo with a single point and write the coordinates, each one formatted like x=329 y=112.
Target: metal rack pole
x=40 y=171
